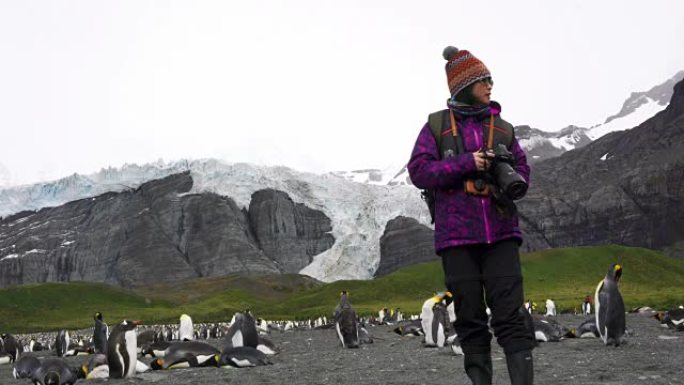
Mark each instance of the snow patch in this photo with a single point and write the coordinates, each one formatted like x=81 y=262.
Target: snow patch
x=10 y=256
x=640 y=115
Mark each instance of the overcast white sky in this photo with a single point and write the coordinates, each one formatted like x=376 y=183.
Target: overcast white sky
x=315 y=85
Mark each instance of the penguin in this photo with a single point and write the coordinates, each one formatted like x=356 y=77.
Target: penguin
x=155 y=349
x=528 y=322
x=97 y=367
x=610 y=308
x=642 y=310
x=25 y=366
x=35 y=346
x=5 y=358
x=79 y=351
x=364 y=335
x=62 y=343
x=215 y=331
x=54 y=371
x=435 y=318
x=545 y=332
x=381 y=316
x=185 y=330
x=241 y=357
x=242 y=332
x=345 y=323
x=409 y=328
x=437 y=334
x=121 y=349
x=100 y=334
x=12 y=346
x=673 y=318
x=455 y=345
x=561 y=330
x=587 y=329
x=145 y=338
x=267 y=346
x=168 y=334
x=550 y=308
x=186 y=354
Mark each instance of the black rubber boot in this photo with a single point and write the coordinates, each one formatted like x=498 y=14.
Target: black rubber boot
x=520 y=367
x=478 y=367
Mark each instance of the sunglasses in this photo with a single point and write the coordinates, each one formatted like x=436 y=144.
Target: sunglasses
x=487 y=80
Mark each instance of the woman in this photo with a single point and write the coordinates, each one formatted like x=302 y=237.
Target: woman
x=476 y=225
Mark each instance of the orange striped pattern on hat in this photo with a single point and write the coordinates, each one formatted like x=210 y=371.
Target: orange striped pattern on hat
x=462 y=69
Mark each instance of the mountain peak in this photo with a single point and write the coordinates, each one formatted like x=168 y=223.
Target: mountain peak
x=661 y=94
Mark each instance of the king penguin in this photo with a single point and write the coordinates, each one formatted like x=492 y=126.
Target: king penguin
x=434 y=319
x=409 y=328
x=673 y=318
x=186 y=354
x=54 y=371
x=100 y=334
x=25 y=366
x=242 y=332
x=186 y=331
x=122 y=350
x=97 y=367
x=610 y=309
x=62 y=343
x=12 y=346
x=345 y=323
x=587 y=329
x=241 y=357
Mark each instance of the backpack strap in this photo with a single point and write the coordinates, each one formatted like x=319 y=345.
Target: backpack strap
x=445 y=131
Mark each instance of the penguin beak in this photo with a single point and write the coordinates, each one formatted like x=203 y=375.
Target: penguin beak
x=618 y=272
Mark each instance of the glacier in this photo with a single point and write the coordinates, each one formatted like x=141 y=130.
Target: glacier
x=358 y=211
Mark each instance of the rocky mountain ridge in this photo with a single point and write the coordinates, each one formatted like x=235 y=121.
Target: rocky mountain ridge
x=160 y=233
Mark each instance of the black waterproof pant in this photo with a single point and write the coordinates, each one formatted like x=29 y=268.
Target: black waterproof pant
x=487 y=275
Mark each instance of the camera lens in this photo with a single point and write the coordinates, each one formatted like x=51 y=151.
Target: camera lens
x=510 y=182
x=516 y=190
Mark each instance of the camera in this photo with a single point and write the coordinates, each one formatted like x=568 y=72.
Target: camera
x=509 y=181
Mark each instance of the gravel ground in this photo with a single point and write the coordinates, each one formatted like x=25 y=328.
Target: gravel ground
x=651 y=355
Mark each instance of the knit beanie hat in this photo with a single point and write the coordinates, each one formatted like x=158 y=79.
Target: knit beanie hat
x=462 y=69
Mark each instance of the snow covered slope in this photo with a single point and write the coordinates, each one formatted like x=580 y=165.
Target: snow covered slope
x=358 y=211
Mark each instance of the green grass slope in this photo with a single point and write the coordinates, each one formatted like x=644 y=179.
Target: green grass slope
x=565 y=275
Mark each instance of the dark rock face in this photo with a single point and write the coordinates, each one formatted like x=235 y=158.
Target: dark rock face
x=152 y=234
x=405 y=242
x=626 y=187
x=289 y=233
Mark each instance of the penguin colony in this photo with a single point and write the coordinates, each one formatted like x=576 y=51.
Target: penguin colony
x=114 y=354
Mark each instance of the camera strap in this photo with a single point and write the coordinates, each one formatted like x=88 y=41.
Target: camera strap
x=490 y=139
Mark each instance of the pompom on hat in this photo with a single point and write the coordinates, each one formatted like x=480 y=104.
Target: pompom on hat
x=462 y=69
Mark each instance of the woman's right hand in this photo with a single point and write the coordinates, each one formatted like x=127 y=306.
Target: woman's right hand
x=481 y=162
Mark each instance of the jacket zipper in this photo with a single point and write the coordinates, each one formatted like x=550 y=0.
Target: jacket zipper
x=483 y=203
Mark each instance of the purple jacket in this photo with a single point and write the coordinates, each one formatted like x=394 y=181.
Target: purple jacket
x=462 y=219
